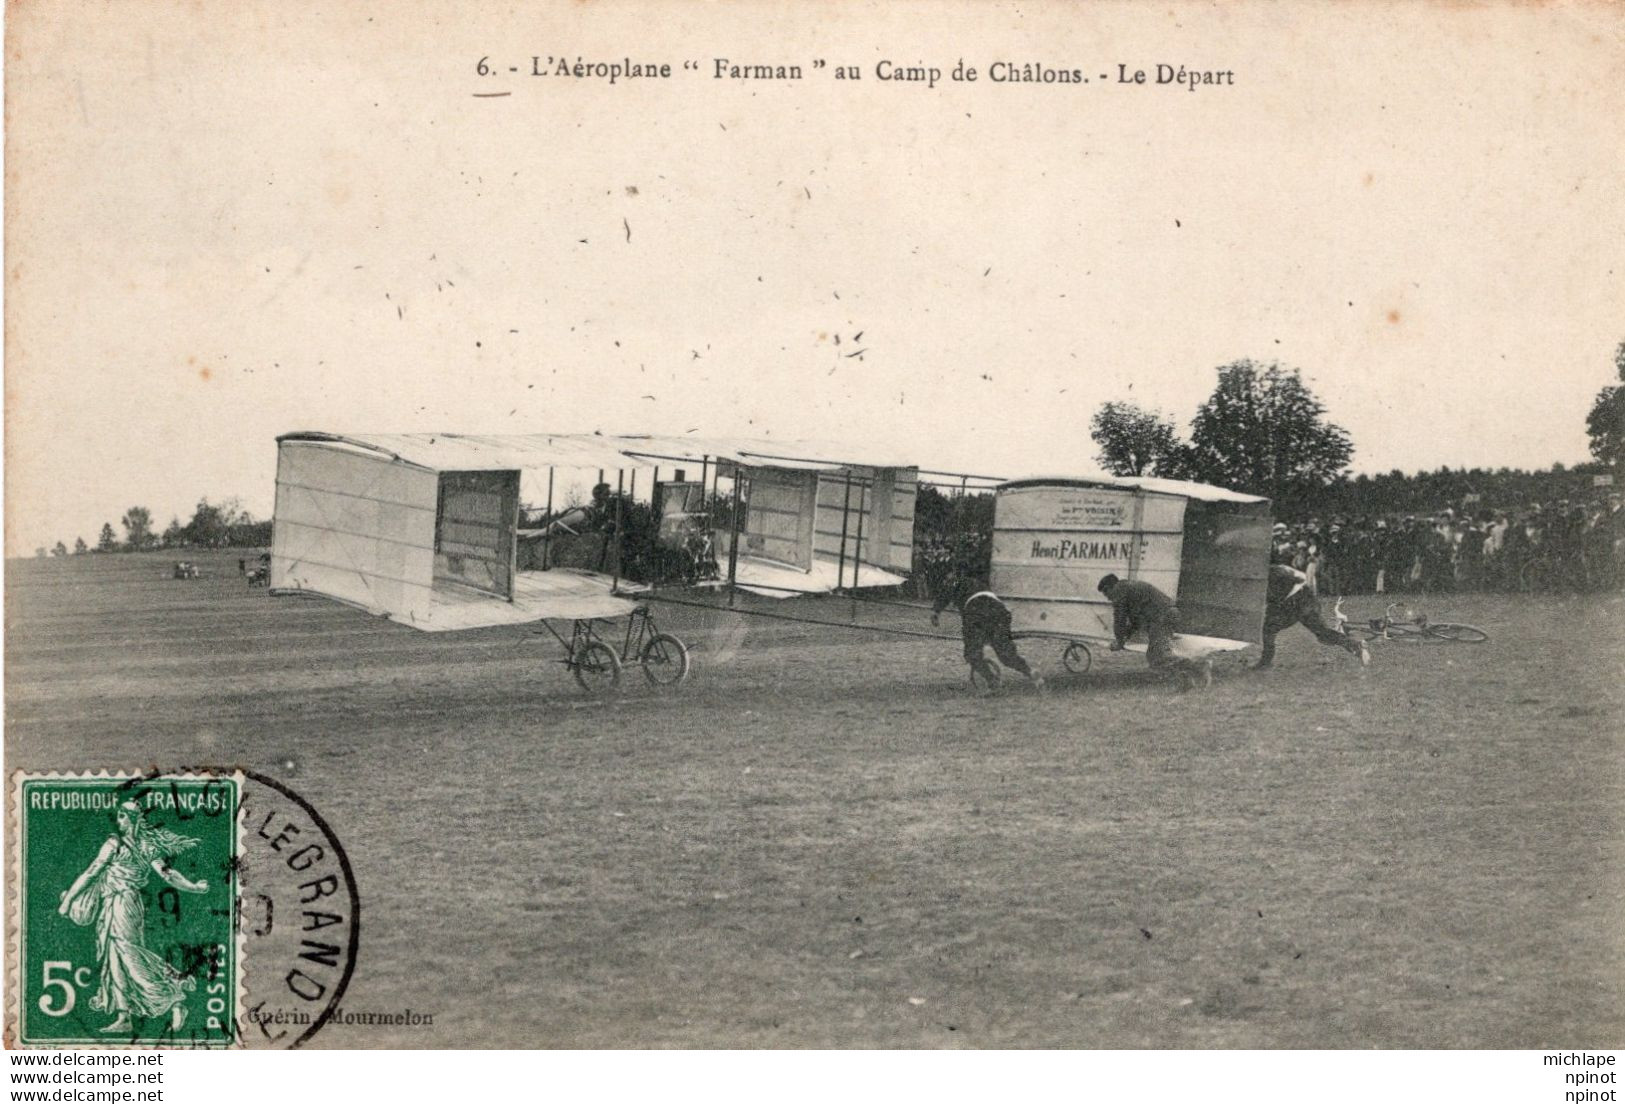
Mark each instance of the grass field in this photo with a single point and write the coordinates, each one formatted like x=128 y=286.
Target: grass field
x=825 y=840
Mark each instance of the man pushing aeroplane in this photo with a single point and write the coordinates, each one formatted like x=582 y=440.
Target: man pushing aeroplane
x=1137 y=605
x=984 y=622
x=1291 y=600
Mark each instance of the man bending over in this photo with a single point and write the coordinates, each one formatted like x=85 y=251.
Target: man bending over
x=1137 y=605
x=984 y=621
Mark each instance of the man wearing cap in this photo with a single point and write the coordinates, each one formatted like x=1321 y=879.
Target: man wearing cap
x=1279 y=536
x=984 y=621
x=1290 y=600
x=1137 y=605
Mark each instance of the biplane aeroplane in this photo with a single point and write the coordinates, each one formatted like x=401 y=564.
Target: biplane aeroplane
x=425 y=529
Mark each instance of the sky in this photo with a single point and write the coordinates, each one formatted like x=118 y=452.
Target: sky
x=228 y=222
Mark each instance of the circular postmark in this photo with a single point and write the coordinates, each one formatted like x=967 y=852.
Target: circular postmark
x=299 y=915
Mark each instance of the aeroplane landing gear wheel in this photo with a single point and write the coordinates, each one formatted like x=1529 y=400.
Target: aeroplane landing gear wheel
x=664 y=660
x=1077 y=658
x=597 y=668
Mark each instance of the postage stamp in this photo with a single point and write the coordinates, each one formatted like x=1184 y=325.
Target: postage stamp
x=125 y=895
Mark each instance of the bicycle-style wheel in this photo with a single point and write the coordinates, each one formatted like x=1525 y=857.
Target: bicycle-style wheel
x=664 y=660
x=1077 y=658
x=596 y=667
x=1464 y=634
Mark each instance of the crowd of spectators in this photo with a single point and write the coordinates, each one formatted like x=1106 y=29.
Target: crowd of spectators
x=1560 y=545
x=1545 y=546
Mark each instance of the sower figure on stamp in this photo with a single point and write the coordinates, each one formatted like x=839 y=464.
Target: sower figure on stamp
x=1291 y=601
x=984 y=621
x=1137 y=605
x=133 y=981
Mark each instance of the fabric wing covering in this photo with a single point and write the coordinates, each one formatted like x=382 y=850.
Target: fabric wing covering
x=422 y=528
x=563 y=594
x=354 y=526
x=1224 y=569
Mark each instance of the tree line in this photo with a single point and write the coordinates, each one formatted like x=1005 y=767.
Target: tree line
x=1263 y=432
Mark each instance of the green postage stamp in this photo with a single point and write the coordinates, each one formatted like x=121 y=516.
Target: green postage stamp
x=124 y=898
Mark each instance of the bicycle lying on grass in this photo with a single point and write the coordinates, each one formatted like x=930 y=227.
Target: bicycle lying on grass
x=1400 y=622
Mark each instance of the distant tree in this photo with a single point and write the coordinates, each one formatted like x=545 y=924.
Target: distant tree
x=108 y=541
x=60 y=549
x=248 y=533
x=173 y=535
x=39 y=553
x=242 y=531
x=1136 y=441
x=137 y=524
x=1396 y=493
x=207 y=527
x=1605 y=425
x=950 y=516
x=232 y=513
x=1262 y=431
x=79 y=547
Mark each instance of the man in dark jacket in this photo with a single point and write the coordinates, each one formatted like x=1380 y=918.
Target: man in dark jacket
x=1400 y=554
x=1291 y=601
x=1138 y=605
x=984 y=621
x=1470 y=556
